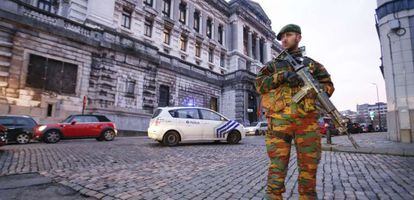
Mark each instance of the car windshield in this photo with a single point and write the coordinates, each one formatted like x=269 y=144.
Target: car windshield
x=253 y=124
x=67 y=120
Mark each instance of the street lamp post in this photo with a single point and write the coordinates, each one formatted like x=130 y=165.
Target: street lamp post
x=378 y=105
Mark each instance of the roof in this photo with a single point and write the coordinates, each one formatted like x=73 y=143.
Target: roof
x=25 y=116
x=255 y=7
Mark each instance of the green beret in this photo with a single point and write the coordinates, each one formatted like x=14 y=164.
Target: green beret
x=288 y=28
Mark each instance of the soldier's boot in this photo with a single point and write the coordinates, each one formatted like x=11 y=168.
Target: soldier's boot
x=274 y=197
x=279 y=151
x=308 y=146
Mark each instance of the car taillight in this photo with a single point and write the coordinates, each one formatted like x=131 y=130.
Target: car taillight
x=157 y=122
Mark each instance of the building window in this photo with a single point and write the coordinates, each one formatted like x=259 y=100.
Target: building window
x=220 y=34
x=126 y=19
x=149 y=2
x=198 y=49
x=49 y=110
x=130 y=88
x=183 y=12
x=45 y=5
x=211 y=55
x=245 y=40
x=51 y=75
x=209 y=30
x=164 y=99
x=254 y=37
x=167 y=35
x=183 y=43
x=222 y=60
x=261 y=48
x=213 y=104
x=148 y=28
x=166 y=8
x=197 y=21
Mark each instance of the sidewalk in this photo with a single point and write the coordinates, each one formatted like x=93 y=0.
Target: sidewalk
x=370 y=143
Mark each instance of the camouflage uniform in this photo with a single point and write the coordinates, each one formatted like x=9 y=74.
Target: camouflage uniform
x=291 y=121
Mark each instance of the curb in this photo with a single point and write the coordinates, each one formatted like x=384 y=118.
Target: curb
x=368 y=150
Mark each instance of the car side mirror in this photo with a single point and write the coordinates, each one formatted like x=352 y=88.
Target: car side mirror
x=73 y=123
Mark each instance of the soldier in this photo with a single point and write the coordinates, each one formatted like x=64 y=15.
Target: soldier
x=277 y=83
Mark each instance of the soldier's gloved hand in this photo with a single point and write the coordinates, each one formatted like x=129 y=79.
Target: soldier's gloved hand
x=292 y=79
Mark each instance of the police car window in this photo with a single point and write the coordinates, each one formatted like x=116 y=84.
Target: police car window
x=186 y=114
x=263 y=124
x=208 y=115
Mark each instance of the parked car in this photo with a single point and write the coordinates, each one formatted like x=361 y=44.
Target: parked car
x=326 y=124
x=77 y=126
x=172 y=125
x=355 y=128
x=19 y=128
x=3 y=135
x=256 y=128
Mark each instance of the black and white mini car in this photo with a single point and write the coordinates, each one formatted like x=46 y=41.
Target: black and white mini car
x=171 y=125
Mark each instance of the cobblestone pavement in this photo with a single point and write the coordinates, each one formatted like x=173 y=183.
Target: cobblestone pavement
x=376 y=143
x=139 y=168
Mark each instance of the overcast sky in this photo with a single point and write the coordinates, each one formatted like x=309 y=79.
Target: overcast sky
x=341 y=35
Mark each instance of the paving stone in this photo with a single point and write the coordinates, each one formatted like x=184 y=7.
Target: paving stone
x=138 y=168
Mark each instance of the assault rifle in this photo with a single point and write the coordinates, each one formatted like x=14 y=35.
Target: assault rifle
x=311 y=84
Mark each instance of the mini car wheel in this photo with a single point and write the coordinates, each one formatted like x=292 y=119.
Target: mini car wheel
x=108 y=135
x=171 y=138
x=52 y=136
x=23 y=138
x=233 y=137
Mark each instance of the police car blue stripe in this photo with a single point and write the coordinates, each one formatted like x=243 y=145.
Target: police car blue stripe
x=224 y=127
x=221 y=133
x=231 y=128
x=221 y=127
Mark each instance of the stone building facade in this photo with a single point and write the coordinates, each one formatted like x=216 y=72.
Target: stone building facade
x=128 y=57
x=395 y=26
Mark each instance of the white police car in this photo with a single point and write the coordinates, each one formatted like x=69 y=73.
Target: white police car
x=171 y=125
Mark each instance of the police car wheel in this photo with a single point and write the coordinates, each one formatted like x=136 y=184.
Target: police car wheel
x=234 y=137
x=257 y=132
x=171 y=138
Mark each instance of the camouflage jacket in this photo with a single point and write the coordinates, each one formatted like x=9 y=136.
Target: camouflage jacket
x=276 y=93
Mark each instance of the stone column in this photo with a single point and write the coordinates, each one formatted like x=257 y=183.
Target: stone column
x=265 y=58
x=249 y=44
x=203 y=23
x=175 y=8
x=257 y=48
x=190 y=15
x=158 y=5
x=235 y=36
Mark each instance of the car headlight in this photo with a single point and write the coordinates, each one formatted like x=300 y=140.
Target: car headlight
x=41 y=128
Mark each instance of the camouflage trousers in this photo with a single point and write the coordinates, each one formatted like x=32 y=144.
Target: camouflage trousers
x=304 y=131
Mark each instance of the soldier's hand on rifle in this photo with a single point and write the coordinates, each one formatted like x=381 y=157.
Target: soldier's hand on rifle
x=292 y=79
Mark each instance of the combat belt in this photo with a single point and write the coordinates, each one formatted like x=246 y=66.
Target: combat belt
x=311 y=84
